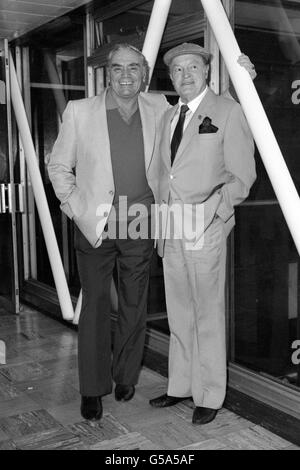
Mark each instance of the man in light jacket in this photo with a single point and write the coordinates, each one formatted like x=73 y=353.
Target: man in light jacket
x=105 y=154
x=207 y=168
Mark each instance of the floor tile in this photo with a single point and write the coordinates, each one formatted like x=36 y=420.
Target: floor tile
x=7 y=445
x=8 y=391
x=17 y=405
x=62 y=364
x=173 y=434
x=24 y=372
x=93 y=432
x=209 y=444
x=136 y=412
x=53 y=394
x=274 y=440
x=152 y=390
x=48 y=353
x=131 y=441
x=40 y=402
x=27 y=423
x=3 y=436
x=224 y=423
x=255 y=438
x=148 y=378
x=15 y=356
x=66 y=414
x=53 y=439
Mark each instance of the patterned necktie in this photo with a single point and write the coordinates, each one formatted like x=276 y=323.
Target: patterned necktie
x=177 y=136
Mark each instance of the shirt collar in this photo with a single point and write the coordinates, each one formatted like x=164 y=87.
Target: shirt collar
x=111 y=103
x=193 y=105
x=110 y=100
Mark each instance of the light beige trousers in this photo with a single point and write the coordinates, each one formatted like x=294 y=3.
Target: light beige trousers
x=195 y=297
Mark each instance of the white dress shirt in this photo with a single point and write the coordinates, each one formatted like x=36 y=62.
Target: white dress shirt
x=194 y=237
x=193 y=105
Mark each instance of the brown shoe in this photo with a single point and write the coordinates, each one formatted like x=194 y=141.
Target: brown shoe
x=165 y=400
x=124 y=392
x=203 y=415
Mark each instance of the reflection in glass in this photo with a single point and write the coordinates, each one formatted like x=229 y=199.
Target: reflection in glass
x=56 y=76
x=3 y=124
x=131 y=26
x=265 y=321
x=6 y=255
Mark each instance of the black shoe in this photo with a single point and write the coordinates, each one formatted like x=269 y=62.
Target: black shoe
x=124 y=392
x=203 y=415
x=91 y=408
x=165 y=400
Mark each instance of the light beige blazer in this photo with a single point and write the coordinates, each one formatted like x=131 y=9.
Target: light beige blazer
x=80 y=166
x=213 y=169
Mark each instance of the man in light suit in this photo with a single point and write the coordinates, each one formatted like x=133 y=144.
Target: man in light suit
x=104 y=152
x=207 y=162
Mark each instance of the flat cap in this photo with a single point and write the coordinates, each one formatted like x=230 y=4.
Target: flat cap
x=186 y=48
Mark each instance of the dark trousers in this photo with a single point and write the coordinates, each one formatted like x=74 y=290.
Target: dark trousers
x=132 y=260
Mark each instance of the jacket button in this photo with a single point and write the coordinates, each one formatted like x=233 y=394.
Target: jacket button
x=111 y=193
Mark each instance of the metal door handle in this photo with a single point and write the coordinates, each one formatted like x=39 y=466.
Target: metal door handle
x=9 y=197
x=3 y=205
x=6 y=200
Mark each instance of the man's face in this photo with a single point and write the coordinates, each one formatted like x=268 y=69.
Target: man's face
x=188 y=74
x=126 y=73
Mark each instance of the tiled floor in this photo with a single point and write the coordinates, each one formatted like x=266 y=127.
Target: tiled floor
x=39 y=402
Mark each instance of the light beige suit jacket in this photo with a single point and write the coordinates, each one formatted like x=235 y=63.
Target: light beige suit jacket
x=213 y=169
x=80 y=166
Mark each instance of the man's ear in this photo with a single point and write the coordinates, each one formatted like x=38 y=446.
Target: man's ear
x=108 y=77
x=170 y=76
x=207 y=72
x=146 y=72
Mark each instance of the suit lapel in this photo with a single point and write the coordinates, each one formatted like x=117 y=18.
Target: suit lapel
x=201 y=112
x=148 y=127
x=98 y=121
x=166 y=151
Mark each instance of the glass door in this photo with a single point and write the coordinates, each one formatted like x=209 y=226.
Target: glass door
x=9 y=282
x=266 y=282
x=264 y=319
x=51 y=69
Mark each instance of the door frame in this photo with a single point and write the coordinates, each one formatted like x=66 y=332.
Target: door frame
x=11 y=304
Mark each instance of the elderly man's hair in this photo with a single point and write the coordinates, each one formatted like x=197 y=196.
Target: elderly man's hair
x=125 y=45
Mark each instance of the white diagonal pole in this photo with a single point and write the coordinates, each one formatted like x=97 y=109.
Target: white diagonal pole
x=263 y=134
x=155 y=32
x=78 y=309
x=40 y=197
